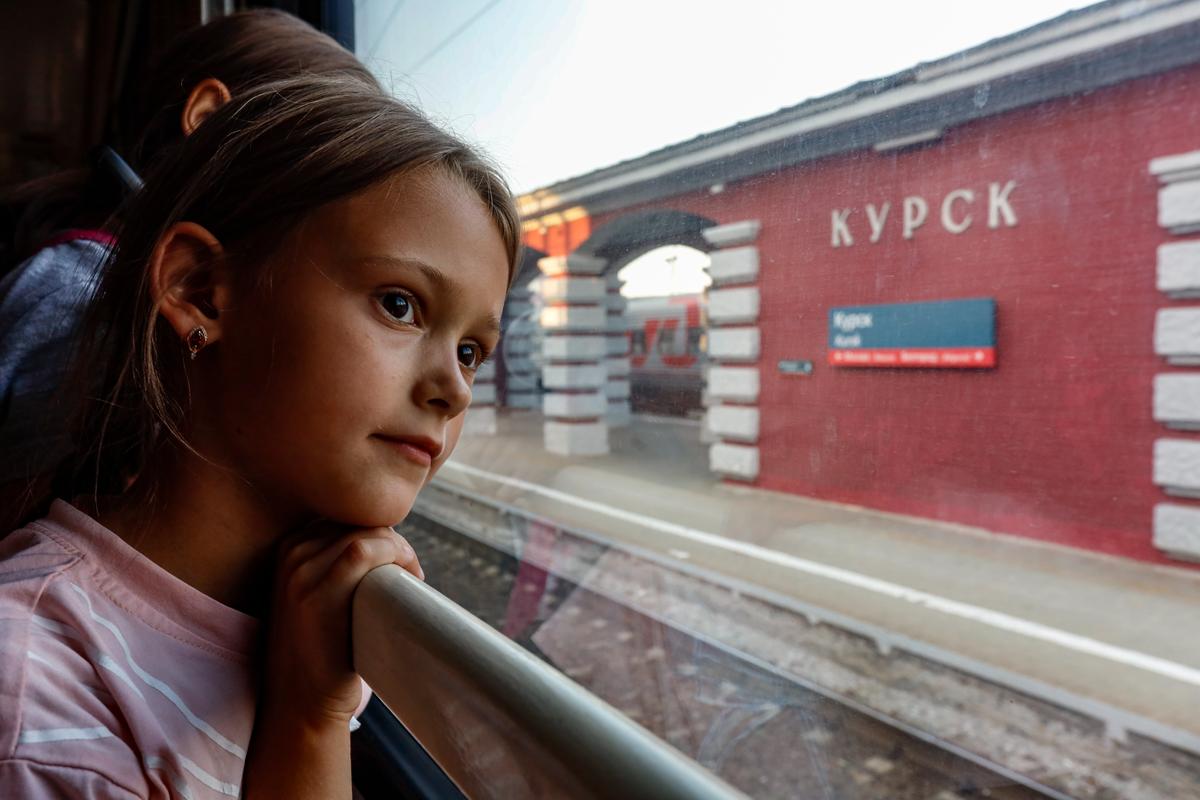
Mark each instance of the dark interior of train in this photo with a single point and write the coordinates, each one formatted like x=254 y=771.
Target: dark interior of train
x=75 y=60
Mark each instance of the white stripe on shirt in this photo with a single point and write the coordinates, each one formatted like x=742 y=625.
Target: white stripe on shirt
x=100 y=732
x=96 y=689
x=177 y=781
x=230 y=789
x=212 y=733
x=103 y=659
x=64 y=734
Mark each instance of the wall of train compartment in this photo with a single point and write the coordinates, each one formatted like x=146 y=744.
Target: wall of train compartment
x=1084 y=432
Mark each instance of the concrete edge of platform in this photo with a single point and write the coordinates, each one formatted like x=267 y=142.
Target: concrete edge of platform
x=1184 y=569
x=1117 y=722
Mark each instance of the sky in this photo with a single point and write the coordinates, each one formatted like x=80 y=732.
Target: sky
x=674 y=269
x=557 y=88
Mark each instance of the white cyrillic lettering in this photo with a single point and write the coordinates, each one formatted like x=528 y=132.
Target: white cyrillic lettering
x=852 y=322
x=841 y=232
x=948 y=222
x=915 y=212
x=998 y=205
x=877 y=218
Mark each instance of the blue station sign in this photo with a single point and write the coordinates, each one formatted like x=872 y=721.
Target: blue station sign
x=947 y=334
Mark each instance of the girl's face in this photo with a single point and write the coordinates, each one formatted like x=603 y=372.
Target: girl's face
x=342 y=386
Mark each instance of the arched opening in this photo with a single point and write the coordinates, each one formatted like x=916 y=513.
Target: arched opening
x=674 y=269
x=625 y=238
x=659 y=260
x=664 y=292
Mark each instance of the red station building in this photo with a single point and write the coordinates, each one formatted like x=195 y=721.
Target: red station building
x=1055 y=172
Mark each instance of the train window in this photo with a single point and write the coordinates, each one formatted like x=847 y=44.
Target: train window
x=638 y=342
x=910 y=509
x=664 y=340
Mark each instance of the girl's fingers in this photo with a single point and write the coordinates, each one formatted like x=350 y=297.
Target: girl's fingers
x=303 y=547
x=409 y=559
x=315 y=570
x=307 y=542
x=360 y=556
x=378 y=546
x=415 y=569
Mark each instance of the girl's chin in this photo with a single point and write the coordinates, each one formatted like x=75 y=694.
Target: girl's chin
x=382 y=518
x=374 y=511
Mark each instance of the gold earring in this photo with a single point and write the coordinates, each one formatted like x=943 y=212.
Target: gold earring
x=196 y=340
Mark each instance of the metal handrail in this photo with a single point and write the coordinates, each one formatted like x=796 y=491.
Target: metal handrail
x=501 y=723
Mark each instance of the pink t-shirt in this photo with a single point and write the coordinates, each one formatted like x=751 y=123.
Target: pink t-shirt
x=117 y=680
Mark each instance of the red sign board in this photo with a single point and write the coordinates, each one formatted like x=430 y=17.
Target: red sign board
x=961 y=357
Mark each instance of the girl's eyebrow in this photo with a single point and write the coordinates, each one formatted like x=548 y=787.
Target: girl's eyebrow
x=440 y=280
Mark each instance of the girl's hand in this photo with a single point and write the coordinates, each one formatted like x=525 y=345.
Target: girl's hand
x=300 y=748
x=309 y=663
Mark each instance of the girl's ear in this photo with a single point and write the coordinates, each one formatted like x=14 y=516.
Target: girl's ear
x=190 y=281
x=205 y=98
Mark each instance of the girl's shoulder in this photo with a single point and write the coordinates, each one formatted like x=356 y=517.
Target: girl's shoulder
x=97 y=686
x=29 y=557
x=32 y=560
x=69 y=563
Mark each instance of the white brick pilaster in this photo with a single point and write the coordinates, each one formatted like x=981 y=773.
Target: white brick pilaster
x=1176 y=526
x=519 y=345
x=1179 y=194
x=617 y=355
x=1177 y=334
x=734 y=344
x=731 y=422
x=1177 y=530
x=574 y=325
x=1177 y=466
x=1179 y=269
x=1177 y=400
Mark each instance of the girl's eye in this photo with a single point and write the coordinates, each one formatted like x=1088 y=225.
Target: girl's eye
x=470 y=355
x=400 y=306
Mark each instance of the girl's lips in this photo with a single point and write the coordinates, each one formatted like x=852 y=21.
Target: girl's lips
x=418 y=449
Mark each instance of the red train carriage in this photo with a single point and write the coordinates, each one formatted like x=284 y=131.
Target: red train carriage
x=667 y=344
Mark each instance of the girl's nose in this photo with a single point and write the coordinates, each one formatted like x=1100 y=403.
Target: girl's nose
x=443 y=386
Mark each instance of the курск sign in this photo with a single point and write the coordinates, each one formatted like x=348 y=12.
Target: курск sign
x=957 y=334
x=957 y=212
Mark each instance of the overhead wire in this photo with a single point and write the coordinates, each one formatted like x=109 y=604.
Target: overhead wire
x=440 y=46
x=387 y=24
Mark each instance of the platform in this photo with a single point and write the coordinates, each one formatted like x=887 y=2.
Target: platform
x=1107 y=637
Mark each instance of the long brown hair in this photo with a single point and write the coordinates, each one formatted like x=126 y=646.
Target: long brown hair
x=249 y=175
x=241 y=50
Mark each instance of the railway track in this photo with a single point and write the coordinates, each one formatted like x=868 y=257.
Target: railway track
x=994 y=737
x=764 y=733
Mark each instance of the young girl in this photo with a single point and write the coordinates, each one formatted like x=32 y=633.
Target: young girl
x=60 y=238
x=282 y=353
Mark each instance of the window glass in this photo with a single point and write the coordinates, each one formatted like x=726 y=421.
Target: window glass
x=862 y=460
